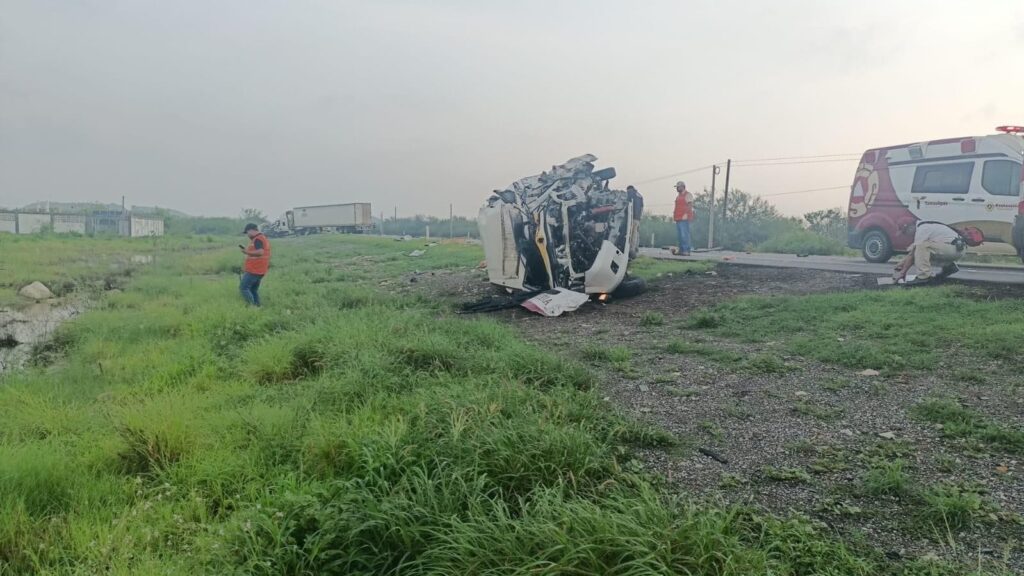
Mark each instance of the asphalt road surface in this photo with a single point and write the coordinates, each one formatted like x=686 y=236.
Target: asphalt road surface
x=968 y=272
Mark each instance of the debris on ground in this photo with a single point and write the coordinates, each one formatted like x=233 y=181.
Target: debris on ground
x=417 y=253
x=495 y=303
x=36 y=291
x=565 y=228
x=868 y=372
x=556 y=302
x=713 y=455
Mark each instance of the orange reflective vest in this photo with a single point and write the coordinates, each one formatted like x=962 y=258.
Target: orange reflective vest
x=258 y=264
x=684 y=210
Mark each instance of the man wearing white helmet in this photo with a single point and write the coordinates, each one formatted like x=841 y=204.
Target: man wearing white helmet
x=683 y=215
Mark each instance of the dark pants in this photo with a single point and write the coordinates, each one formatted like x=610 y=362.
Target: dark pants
x=250 y=288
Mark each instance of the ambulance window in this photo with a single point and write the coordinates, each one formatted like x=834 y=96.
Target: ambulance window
x=1001 y=178
x=943 y=178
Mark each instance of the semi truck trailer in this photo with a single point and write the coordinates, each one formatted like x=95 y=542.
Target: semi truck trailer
x=350 y=218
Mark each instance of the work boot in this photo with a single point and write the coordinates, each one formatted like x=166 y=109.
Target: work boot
x=919 y=281
x=948 y=270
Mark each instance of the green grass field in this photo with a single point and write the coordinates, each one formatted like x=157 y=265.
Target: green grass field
x=340 y=430
x=69 y=264
x=886 y=330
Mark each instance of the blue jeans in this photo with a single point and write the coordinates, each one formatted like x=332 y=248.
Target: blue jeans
x=683 y=227
x=250 y=288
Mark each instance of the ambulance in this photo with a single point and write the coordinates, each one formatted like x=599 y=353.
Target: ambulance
x=971 y=181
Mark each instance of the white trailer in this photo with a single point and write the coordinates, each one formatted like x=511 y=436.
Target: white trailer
x=353 y=217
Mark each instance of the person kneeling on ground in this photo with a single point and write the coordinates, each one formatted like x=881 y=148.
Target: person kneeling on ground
x=257 y=262
x=937 y=244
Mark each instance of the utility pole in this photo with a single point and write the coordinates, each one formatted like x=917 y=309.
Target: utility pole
x=711 y=209
x=725 y=194
x=451 y=222
x=381 y=222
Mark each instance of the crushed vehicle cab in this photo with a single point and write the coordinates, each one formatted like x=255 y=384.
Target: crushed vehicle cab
x=564 y=228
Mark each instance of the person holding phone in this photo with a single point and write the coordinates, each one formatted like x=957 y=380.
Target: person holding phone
x=257 y=263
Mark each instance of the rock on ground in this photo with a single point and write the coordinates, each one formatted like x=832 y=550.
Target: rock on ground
x=36 y=291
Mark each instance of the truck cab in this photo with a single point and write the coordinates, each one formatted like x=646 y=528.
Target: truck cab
x=283 y=226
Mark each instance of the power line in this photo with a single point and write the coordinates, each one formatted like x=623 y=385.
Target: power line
x=857 y=154
x=683 y=173
x=794 y=162
x=781 y=161
x=804 y=191
x=808 y=191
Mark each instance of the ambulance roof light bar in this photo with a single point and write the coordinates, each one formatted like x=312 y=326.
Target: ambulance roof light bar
x=1010 y=129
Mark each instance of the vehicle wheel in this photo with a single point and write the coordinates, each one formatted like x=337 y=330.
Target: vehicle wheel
x=877 y=247
x=630 y=287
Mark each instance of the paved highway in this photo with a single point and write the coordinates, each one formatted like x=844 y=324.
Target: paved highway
x=968 y=272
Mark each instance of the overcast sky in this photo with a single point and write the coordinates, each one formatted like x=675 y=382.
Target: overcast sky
x=210 y=106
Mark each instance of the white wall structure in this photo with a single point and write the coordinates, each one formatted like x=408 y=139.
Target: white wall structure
x=32 y=223
x=141 y=227
x=8 y=222
x=69 y=223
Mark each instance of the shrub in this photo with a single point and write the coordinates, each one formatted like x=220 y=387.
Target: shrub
x=802 y=242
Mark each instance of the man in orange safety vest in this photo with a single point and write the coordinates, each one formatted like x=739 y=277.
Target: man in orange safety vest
x=257 y=262
x=683 y=215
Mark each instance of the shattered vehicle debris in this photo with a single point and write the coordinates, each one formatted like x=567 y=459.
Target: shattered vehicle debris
x=565 y=228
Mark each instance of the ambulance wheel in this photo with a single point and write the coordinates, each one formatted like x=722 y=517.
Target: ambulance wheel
x=877 y=247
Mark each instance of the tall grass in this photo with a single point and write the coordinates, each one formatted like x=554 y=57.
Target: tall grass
x=341 y=430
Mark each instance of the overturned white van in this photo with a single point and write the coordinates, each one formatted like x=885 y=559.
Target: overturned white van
x=564 y=228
